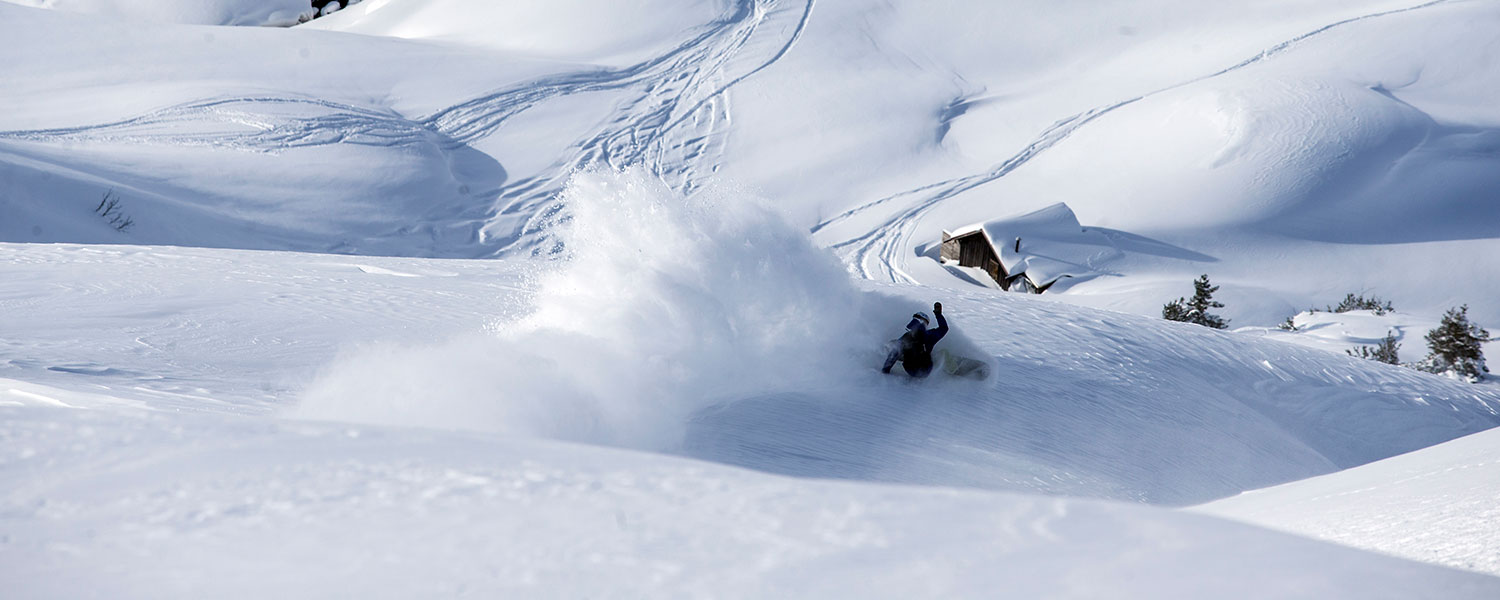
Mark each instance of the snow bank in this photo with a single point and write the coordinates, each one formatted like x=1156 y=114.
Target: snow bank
x=1439 y=504
x=1340 y=332
x=160 y=504
x=665 y=305
x=278 y=13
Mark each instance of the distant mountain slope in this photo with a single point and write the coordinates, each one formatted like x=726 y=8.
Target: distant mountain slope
x=1297 y=151
x=281 y=13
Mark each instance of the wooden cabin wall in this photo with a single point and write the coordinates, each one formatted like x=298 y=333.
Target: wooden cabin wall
x=974 y=250
x=950 y=248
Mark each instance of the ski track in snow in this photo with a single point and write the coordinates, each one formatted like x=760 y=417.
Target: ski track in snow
x=880 y=253
x=671 y=119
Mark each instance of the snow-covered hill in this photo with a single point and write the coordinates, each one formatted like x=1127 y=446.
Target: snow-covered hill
x=1437 y=504
x=129 y=503
x=474 y=298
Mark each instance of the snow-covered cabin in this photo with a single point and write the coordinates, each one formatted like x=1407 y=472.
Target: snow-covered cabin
x=1030 y=252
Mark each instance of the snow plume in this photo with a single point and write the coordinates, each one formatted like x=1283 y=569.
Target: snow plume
x=663 y=305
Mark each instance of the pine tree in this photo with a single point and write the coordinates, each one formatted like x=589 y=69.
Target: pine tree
x=1387 y=351
x=1175 y=310
x=1196 y=309
x=1455 y=346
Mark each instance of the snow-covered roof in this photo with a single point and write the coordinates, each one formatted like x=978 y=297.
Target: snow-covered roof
x=1053 y=244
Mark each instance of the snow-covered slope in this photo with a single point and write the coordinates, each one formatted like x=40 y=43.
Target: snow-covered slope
x=1273 y=144
x=615 y=33
x=280 y=13
x=114 y=501
x=292 y=349
x=660 y=335
x=1438 y=504
x=144 y=387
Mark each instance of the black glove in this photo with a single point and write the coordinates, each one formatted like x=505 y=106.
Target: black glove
x=937 y=308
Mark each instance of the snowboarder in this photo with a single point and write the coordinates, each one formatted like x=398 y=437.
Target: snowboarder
x=914 y=348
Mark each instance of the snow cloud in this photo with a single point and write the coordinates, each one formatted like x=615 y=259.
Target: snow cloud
x=666 y=304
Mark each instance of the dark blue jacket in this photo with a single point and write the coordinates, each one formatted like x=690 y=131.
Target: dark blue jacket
x=914 y=349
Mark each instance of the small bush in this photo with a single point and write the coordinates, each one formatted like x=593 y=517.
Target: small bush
x=109 y=208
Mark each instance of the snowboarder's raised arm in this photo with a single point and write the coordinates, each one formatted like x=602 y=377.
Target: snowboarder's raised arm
x=933 y=335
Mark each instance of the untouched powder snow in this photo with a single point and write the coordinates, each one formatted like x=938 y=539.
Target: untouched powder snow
x=111 y=500
x=1438 y=504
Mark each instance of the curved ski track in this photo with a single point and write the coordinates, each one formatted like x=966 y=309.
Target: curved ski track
x=881 y=253
x=673 y=118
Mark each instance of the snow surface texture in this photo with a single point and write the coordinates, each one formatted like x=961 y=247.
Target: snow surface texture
x=279 y=13
x=124 y=503
x=249 y=380
x=1446 y=499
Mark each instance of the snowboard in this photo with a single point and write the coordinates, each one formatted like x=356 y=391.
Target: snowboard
x=961 y=366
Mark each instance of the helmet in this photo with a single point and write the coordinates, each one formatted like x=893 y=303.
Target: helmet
x=918 y=320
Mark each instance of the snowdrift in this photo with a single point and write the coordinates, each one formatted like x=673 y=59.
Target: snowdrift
x=1436 y=504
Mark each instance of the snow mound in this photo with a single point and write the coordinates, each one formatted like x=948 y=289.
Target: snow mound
x=1439 y=504
x=158 y=504
x=1340 y=332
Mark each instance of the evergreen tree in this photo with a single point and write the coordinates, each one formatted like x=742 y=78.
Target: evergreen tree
x=1354 y=302
x=1386 y=351
x=1175 y=310
x=1455 y=346
x=1196 y=309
